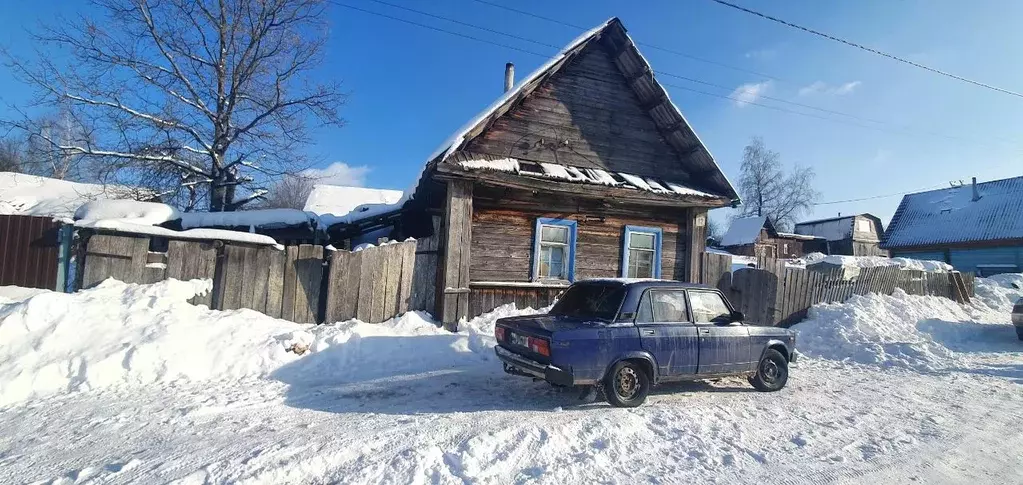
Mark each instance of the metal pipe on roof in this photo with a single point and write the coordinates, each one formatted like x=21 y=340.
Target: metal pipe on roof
x=509 y=76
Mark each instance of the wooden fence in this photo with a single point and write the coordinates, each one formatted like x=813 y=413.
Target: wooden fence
x=301 y=283
x=28 y=251
x=778 y=295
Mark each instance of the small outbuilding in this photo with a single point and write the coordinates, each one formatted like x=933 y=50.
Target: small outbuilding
x=976 y=227
x=757 y=237
x=853 y=235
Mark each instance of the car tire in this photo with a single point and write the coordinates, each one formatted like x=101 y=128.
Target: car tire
x=627 y=385
x=772 y=372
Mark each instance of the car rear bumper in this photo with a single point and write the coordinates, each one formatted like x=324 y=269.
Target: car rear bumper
x=1017 y=319
x=549 y=373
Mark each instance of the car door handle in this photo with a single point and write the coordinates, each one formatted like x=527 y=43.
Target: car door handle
x=704 y=330
x=649 y=332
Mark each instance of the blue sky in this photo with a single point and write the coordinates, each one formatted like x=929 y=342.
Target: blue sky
x=411 y=87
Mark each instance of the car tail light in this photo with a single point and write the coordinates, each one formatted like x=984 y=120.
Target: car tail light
x=540 y=346
x=499 y=333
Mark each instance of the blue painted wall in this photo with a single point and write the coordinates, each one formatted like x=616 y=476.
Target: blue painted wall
x=1006 y=259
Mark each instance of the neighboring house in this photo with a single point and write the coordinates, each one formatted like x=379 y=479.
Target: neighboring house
x=584 y=169
x=757 y=237
x=855 y=235
x=977 y=227
x=336 y=205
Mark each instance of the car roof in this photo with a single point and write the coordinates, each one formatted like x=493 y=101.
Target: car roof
x=644 y=283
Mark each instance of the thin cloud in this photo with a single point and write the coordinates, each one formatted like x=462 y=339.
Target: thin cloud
x=749 y=92
x=821 y=87
x=338 y=173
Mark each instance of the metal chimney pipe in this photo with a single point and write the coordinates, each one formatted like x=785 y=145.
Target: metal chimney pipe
x=509 y=76
x=976 y=194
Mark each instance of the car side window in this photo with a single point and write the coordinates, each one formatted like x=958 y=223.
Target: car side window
x=709 y=307
x=662 y=306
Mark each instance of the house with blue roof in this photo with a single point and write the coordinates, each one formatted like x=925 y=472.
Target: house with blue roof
x=976 y=227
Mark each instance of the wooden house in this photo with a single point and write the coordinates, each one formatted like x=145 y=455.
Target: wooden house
x=758 y=237
x=854 y=235
x=976 y=227
x=583 y=169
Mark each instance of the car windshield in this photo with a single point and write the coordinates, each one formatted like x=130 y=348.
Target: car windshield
x=590 y=301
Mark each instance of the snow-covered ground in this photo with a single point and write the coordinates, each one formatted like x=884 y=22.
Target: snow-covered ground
x=129 y=383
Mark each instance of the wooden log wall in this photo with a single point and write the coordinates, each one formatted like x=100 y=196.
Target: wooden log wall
x=373 y=284
x=483 y=299
x=122 y=257
x=502 y=238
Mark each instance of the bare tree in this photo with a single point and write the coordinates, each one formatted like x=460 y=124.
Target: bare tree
x=290 y=192
x=12 y=155
x=767 y=190
x=182 y=93
x=714 y=229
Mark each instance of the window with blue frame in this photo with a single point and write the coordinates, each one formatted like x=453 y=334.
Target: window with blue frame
x=554 y=250
x=641 y=252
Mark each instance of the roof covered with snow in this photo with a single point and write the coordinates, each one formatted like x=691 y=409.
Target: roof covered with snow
x=670 y=120
x=745 y=230
x=951 y=216
x=583 y=175
x=31 y=195
x=338 y=203
x=832 y=229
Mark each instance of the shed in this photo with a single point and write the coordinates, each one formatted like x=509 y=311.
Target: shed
x=583 y=169
x=757 y=237
x=976 y=227
x=852 y=235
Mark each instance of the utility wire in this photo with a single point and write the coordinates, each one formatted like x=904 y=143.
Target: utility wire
x=880 y=196
x=868 y=49
x=905 y=130
x=644 y=44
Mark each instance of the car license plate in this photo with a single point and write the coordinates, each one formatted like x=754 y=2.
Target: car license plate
x=518 y=339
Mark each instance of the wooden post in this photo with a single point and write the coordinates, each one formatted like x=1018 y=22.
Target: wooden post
x=66 y=234
x=696 y=243
x=457 y=239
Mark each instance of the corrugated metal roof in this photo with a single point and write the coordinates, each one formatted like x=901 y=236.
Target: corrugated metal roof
x=947 y=216
x=745 y=230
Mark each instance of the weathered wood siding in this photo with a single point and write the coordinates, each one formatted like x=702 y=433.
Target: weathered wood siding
x=115 y=256
x=189 y=260
x=373 y=285
x=426 y=276
x=502 y=242
x=483 y=299
x=586 y=115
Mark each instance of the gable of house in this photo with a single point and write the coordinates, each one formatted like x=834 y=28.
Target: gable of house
x=595 y=116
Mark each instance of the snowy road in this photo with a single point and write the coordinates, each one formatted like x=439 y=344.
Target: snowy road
x=130 y=384
x=834 y=424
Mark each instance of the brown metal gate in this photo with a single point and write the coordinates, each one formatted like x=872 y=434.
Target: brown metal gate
x=28 y=251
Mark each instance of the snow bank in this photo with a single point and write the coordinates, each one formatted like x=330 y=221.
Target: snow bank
x=31 y=195
x=120 y=334
x=146 y=213
x=870 y=262
x=922 y=333
x=14 y=294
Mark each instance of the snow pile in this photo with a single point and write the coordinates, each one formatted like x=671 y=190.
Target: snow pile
x=131 y=211
x=31 y=195
x=922 y=333
x=14 y=294
x=123 y=334
x=870 y=262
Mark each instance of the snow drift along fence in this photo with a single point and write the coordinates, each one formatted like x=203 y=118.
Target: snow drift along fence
x=301 y=283
x=777 y=295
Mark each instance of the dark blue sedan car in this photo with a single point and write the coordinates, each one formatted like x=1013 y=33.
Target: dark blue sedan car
x=628 y=335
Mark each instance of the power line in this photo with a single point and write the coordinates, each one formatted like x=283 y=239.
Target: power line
x=644 y=44
x=868 y=49
x=879 y=196
x=744 y=102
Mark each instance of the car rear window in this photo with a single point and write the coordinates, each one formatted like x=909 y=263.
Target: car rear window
x=590 y=301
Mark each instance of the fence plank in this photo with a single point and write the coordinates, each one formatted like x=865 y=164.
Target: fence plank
x=408 y=261
x=309 y=272
x=391 y=279
x=290 y=284
x=275 y=282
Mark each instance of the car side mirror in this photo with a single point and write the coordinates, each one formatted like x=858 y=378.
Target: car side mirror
x=737 y=316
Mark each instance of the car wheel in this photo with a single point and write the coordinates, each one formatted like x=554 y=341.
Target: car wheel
x=627 y=385
x=772 y=372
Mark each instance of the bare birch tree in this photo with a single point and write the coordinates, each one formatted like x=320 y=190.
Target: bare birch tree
x=207 y=100
x=766 y=189
x=290 y=192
